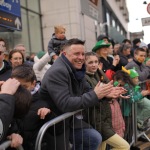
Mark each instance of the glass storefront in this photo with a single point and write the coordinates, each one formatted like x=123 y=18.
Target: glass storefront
x=31 y=34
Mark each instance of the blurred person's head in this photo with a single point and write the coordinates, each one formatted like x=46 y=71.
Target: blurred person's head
x=139 y=55
x=32 y=57
x=91 y=62
x=3 y=43
x=1 y=55
x=116 y=48
x=101 y=48
x=125 y=49
x=60 y=32
x=22 y=48
x=121 y=78
x=103 y=37
x=25 y=75
x=126 y=41
x=136 y=42
x=74 y=51
x=16 y=58
x=110 y=49
x=144 y=46
x=147 y=61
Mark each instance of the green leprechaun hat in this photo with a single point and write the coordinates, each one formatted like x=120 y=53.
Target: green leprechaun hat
x=99 y=45
x=132 y=72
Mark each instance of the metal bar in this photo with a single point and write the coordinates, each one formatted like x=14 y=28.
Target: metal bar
x=50 y=123
x=7 y=144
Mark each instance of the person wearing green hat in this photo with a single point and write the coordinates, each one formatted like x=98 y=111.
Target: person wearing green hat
x=102 y=50
x=129 y=80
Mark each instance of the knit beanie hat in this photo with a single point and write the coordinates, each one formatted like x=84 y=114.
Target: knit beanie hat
x=40 y=54
x=132 y=72
x=142 y=44
x=135 y=41
x=101 y=37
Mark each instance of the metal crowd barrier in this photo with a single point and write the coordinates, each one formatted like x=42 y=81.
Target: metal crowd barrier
x=50 y=123
x=136 y=135
x=6 y=144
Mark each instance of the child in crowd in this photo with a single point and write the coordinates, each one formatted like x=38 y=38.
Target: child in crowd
x=58 y=39
x=129 y=80
x=39 y=112
x=106 y=116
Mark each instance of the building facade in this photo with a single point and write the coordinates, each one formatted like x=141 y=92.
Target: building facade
x=84 y=19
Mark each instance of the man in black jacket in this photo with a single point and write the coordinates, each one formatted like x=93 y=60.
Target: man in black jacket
x=5 y=68
x=7 y=105
x=65 y=88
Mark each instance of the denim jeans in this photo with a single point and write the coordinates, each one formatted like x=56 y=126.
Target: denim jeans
x=85 y=139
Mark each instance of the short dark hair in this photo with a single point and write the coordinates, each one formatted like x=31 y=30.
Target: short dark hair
x=124 y=47
x=135 y=41
x=74 y=41
x=88 y=54
x=24 y=72
x=23 y=100
x=126 y=40
x=1 y=39
x=139 y=50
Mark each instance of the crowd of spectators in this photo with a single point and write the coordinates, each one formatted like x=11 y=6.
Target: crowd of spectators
x=103 y=82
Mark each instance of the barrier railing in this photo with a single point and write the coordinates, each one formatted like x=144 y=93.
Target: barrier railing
x=49 y=124
x=7 y=144
x=62 y=117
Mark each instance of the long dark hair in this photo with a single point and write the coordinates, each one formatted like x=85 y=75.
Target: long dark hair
x=123 y=76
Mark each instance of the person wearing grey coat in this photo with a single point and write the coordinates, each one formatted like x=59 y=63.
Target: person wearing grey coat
x=138 y=64
x=65 y=88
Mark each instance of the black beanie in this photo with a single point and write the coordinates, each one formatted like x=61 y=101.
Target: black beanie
x=135 y=41
x=101 y=37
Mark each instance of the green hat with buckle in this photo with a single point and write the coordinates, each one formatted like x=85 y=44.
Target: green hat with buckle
x=99 y=45
x=132 y=72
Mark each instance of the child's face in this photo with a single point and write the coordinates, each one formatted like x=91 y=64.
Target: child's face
x=61 y=34
x=92 y=64
x=121 y=83
x=28 y=85
x=135 y=80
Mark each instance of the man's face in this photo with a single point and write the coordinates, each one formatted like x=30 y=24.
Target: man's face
x=76 y=55
x=140 y=56
x=2 y=43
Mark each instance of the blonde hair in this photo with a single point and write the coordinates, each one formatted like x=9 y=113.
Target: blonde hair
x=59 y=28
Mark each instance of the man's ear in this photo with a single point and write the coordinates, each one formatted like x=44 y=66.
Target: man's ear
x=64 y=52
x=34 y=83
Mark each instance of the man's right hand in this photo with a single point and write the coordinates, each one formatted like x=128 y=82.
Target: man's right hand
x=10 y=86
x=102 y=90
